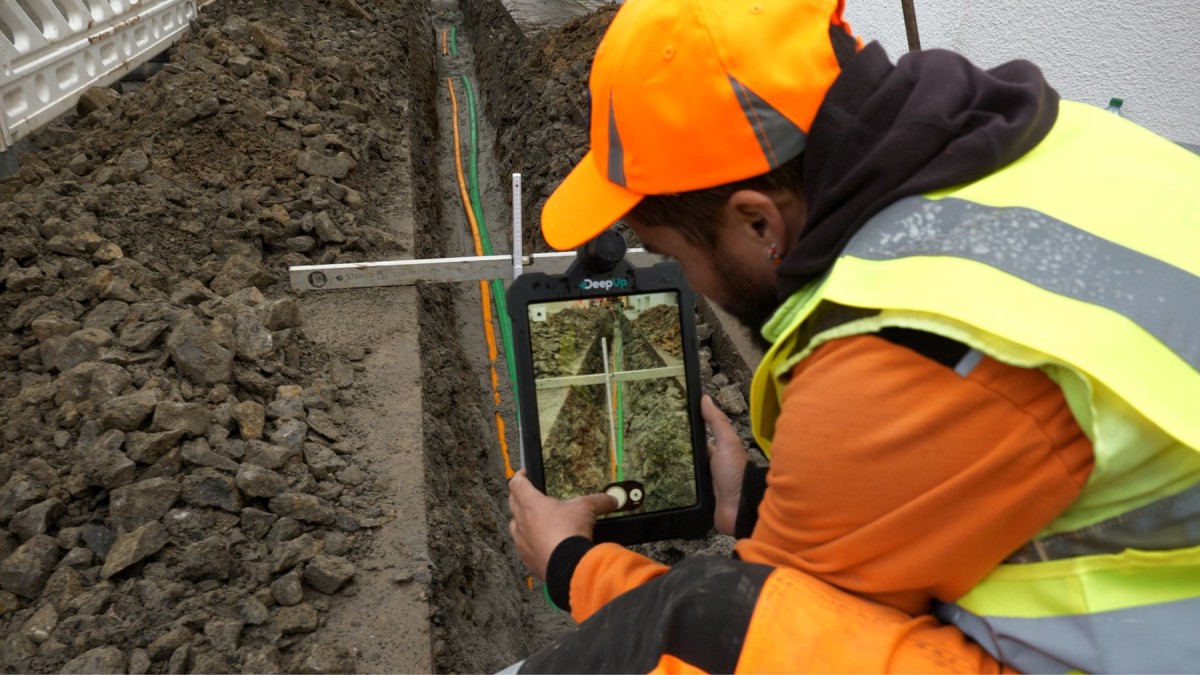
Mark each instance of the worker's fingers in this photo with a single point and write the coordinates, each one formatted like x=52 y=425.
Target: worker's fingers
x=521 y=489
x=522 y=495
x=598 y=504
x=540 y=523
x=727 y=465
x=725 y=437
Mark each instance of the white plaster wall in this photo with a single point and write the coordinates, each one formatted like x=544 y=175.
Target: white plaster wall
x=1144 y=51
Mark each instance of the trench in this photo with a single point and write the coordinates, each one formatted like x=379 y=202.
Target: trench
x=487 y=612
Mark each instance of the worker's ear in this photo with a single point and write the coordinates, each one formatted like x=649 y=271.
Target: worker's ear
x=756 y=215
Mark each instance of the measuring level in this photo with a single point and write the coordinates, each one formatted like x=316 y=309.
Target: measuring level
x=437 y=270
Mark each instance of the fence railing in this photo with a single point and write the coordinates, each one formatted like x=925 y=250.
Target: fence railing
x=51 y=51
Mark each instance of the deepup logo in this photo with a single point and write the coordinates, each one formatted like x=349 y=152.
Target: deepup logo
x=604 y=284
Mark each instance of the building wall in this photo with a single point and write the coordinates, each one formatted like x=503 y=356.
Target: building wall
x=1146 y=52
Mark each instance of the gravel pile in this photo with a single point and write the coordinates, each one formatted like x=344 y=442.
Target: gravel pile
x=176 y=494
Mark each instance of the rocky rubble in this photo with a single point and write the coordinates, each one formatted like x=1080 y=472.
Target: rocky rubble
x=660 y=326
x=175 y=492
x=560 y=343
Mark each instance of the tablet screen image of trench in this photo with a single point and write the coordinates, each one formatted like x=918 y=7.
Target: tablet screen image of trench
x=612 y=397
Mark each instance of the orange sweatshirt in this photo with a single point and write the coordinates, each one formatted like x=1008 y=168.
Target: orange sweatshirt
x=894 y=478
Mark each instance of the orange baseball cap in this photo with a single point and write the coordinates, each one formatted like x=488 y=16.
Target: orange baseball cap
x=691 y=94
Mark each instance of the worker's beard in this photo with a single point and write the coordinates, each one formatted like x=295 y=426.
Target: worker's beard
x=751 y=301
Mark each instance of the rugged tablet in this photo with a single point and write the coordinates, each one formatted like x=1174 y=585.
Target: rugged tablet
x=608 y=380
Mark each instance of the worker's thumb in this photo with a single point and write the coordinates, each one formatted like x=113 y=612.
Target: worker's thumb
x=600 y=504
x=519 y=484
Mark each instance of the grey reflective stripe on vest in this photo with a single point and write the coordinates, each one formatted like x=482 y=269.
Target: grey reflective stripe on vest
x=616 y=152
x=1164 y=525
x=779 y=137
x=1046 y=252
x=1151 y=639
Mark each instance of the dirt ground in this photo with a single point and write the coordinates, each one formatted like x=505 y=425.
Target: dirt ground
x=203 y=471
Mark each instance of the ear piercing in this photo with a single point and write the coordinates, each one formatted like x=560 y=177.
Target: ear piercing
x=773 y=253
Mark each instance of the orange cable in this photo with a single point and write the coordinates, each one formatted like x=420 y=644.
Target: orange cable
x=484 y=291
x=462 y=183
x=613 y=441
x=612 y=407
x=612 y=446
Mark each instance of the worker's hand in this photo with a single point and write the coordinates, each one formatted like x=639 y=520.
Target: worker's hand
x=727 y=462
x=541 y=523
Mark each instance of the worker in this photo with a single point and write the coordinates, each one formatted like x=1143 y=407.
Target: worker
x=981 y=397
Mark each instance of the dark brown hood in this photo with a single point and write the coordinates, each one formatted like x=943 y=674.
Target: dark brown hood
x=887 y=131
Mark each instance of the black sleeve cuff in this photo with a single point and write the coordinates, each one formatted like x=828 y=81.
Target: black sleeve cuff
x=754 y=486
x=561 y=568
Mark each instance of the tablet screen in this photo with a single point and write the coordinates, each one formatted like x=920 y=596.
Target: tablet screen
x=612 y=400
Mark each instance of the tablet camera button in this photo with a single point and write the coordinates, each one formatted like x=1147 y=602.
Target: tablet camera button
x=618 y=493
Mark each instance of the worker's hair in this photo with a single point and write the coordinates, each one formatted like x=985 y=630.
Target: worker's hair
x=697 y=214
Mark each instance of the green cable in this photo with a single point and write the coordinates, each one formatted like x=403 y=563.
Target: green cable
x=485 y=241
x=549 y=601
x=506 y=336
x=620 y=411
x=473 y=167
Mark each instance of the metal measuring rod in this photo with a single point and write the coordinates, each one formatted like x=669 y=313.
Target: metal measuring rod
x=442 y=270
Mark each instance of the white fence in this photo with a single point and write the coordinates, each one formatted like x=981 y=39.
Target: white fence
x=51 y=51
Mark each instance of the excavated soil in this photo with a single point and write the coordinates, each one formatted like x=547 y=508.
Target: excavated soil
x=202 y=471
x=180 y=490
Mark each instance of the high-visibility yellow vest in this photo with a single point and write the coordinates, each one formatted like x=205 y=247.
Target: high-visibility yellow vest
x=1081 y=259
